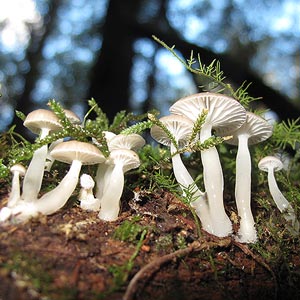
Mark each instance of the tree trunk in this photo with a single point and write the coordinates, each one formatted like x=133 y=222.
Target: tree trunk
x=110 y=76
x=25 y=103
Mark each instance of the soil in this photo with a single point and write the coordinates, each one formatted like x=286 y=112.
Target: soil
x=74 y=255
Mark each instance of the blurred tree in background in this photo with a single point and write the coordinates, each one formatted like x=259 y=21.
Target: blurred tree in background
x=77 y=49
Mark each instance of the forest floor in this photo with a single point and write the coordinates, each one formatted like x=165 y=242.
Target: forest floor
x=74 y=255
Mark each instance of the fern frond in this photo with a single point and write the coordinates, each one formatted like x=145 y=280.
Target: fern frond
x=287 y=133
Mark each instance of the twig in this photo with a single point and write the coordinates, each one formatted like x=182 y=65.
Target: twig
x=152 y=267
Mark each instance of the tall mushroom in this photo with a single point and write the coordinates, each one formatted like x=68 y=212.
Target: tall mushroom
x=40 y=121
x=181 y=128
x=253 y=131
x=222 y=111
x=272 y=164
x=122 y=160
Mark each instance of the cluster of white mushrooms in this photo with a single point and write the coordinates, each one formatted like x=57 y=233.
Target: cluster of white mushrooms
x=24 y=202
x=225 y=117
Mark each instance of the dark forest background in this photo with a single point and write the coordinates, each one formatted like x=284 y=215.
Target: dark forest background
x=77 y=49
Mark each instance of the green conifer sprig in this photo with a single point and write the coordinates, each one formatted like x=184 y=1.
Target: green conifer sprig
x=101 y=119
x=211 y=76
x=212 y=141
x=138 y=127
x=60 y=113
x=160 y=124
x=198 y=125
x=20 y=115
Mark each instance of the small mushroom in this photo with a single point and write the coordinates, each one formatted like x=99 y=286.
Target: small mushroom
x=122 y=160
x=14 y=196
x=253 y=131
x=120 y=141
x=223 y=111
x=272 y=164
x=40 y=121
x=181 y=127
x=86 y=196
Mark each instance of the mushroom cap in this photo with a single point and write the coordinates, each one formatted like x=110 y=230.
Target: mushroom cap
x=255 y=126
x=126 y=141
x=74 y=118
x=108 y=135
x=42 y=118
x=68 y=151
x=18 y=168
x=86 y=181
x=223 y=111
x=128 y=158
x=270 y=162
x=180 y=126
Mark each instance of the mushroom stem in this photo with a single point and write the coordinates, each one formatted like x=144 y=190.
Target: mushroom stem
x=102 y=177
x=186 y=181
x=33 y=178
x=247 y=231
x=214 y=184
x=110 y=201
x=57 y=198
x=14 y=195
x=49 y=159
x=281 y=202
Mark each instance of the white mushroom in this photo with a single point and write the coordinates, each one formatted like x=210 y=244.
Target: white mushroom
x=253 y=131
x=5 y=213
x=223 y=111
x=40 y=121
x=15 y=195
x=272 y=164
x=74 y=152
x=78 y=154
x=131 y=141
x=123 y=160
x=86 y=196
x=181 y=128
x=73 y=118
x=120 y=141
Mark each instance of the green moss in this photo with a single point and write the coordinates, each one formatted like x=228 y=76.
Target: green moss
x=129 y=230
